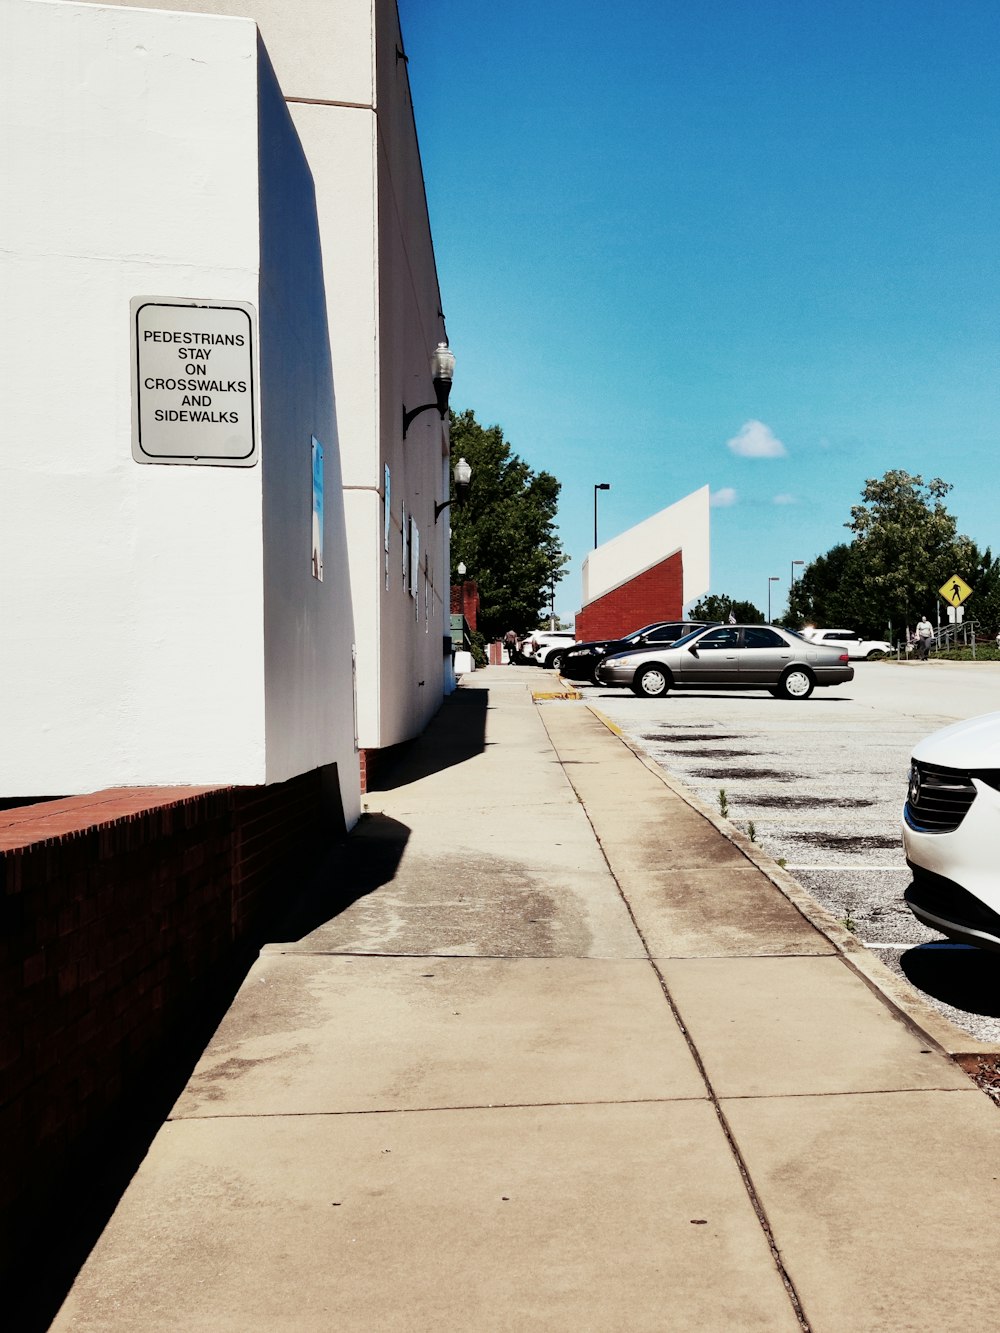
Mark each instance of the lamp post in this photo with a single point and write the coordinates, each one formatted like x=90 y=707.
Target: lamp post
x=600 y=486
x=772 y=579
x=442 y=373
x=462 y=474
x=791 y=582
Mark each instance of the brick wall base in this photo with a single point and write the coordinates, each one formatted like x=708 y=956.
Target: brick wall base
x=119 y=911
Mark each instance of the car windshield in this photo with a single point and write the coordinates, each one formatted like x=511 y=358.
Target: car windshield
x=691 y=634
x=637 y=634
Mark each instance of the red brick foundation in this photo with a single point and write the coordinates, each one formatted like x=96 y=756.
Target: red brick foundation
x=118 y=911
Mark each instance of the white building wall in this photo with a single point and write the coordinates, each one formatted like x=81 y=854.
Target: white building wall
x=349 y=98
x=309 y=636
x=135 y=595
x=683 y=526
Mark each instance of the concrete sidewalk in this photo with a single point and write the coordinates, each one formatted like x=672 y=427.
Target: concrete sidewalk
x=569 y=1060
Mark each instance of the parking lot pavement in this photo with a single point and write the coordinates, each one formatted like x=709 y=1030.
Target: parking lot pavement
x=820 y=785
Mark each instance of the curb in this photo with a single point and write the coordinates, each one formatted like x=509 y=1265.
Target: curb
x=894 y=993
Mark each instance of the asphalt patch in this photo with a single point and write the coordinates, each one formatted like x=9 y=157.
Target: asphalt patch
x=845 y=842
x=810 y=802
x=696 y=736
x=714 y=753
x=774 y=774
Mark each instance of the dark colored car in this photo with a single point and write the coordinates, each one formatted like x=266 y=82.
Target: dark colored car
x=735 y=657
x=580 y=662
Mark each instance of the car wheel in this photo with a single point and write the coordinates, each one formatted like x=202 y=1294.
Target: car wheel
x=796 y=683
x=652 y=681
x=875 y=655
x=554 y=661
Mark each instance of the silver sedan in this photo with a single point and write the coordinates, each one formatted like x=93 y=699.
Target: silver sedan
x=744 y=657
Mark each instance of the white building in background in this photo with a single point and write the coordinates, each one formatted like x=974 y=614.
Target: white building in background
x=165 y=622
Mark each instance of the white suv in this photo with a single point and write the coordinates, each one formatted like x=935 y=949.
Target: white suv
x=951 y=831
x=550 y=642
x=857 y=647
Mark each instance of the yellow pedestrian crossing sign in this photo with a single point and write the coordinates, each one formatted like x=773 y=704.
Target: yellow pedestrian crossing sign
x=955 y=591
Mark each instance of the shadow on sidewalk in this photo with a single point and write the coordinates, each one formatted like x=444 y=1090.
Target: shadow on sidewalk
x=455 y=734
x=368 y=858
x=32 y=1291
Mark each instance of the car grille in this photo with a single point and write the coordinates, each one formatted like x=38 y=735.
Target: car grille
x=938 y=798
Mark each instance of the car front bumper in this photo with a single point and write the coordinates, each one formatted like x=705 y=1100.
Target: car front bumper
x=965 y=858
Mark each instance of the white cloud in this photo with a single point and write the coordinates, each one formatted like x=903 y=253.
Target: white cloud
x=722 y=498
x=755 y=440
x=784 y=500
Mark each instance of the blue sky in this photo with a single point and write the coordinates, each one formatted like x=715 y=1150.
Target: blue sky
x=669 y=225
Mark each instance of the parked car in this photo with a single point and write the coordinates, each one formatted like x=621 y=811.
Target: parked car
x=951 y=831
x=858 y=649
x=544 y=645
x=745 y=657
x=582 y=660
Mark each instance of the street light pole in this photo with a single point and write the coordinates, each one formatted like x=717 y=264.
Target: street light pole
x=773 y=578
x=600 y=486
x=791 y=583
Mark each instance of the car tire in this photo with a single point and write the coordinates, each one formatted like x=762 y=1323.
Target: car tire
x=875 y=655
x=651 y=681
x=554 y=661
x=796 y=683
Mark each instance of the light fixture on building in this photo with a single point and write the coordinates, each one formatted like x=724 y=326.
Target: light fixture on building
x=442 y=373
x=462 y=474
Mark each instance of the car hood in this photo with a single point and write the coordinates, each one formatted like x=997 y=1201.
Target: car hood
x=972 y=743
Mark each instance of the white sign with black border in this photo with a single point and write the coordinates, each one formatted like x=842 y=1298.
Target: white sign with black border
x=194 y=382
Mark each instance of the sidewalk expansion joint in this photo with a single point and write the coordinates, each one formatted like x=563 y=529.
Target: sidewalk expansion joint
x=433 y=1110
x=755 y=1201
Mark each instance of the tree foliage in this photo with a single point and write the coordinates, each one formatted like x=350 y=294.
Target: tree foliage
x=505 y=533
x=905 y=545
x=718 y=606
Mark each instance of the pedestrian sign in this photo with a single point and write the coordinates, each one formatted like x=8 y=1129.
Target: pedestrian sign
x=955 y=591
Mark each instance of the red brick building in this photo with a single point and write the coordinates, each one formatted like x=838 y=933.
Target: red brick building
x=650 y=572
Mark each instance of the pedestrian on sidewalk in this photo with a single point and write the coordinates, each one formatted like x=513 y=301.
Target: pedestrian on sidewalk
x=925 y=632
x=510 y=643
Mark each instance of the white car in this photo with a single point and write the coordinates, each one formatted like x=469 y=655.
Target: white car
x=951 y=831
x=549 y=641
x=858 y=649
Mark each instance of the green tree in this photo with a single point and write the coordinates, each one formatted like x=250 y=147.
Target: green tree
x=831 y=592
x=905 y=545
x=718 y=606
x=505 y=533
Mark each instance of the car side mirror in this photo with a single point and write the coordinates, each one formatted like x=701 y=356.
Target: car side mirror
x=692 y=649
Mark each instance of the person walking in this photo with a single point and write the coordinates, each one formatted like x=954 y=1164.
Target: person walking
x=925 y=632
x=510 y=643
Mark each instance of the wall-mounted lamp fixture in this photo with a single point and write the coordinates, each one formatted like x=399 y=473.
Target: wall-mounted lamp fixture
x=462 y=473
x=442 y=373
